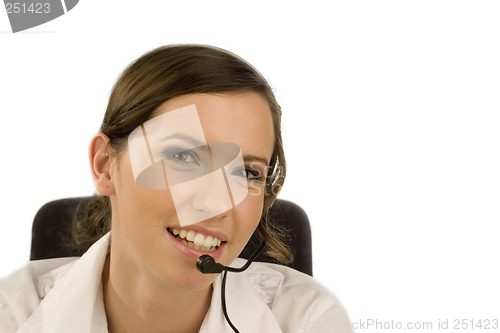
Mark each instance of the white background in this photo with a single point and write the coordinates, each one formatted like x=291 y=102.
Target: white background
x=390 y=123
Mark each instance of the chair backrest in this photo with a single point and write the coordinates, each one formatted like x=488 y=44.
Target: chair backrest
x=52 y=225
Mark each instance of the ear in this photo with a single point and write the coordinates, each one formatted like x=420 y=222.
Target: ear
x=100 y=163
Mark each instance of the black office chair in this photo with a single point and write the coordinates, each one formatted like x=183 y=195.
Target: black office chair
x=53 y=223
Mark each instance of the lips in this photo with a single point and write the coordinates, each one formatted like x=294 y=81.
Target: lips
x=192 y=250
x=196 y=240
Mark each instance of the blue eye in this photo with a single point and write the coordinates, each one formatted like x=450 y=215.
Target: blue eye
x=248 y=173
x=181 y=156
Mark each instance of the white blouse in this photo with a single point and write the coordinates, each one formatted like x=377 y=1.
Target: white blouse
x=65 y=295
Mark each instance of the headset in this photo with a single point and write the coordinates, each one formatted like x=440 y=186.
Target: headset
x=207 y=265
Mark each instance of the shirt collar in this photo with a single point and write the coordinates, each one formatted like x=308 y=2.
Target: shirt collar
x=76 y=301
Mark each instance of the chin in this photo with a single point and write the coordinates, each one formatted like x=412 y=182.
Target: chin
x=196 y=283
x=187 y=279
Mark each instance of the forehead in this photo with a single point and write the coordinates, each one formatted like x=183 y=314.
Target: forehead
x=243 y=119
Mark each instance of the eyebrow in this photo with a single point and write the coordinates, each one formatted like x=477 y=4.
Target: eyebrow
x=252 y=158
x=185 y=137
x=198 y=143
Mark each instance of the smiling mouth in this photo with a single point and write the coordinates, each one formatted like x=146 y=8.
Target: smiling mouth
x=195 y=240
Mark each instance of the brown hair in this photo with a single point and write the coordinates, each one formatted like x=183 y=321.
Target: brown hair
x=168 y=72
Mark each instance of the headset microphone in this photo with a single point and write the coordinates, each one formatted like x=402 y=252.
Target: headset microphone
x=207 y=265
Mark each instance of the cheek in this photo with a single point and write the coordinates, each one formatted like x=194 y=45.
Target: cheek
x=249 y=215
x=141 y=208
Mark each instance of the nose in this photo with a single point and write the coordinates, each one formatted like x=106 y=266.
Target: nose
x=212 y=199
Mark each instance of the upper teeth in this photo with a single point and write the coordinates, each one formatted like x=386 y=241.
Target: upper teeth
x=197 y=238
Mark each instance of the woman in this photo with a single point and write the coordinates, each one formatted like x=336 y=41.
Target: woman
x=166 y=211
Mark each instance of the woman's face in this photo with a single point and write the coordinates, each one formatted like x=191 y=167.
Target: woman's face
x=143 y=220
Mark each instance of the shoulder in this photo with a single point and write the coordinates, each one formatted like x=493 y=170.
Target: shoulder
x=22 y=291
x=296 y=299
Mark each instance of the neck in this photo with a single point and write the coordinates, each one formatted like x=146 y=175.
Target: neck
x=141 y=304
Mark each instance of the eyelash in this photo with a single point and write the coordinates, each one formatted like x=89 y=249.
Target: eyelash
x=170 y=155
x=249 y=171
x=257 y=174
